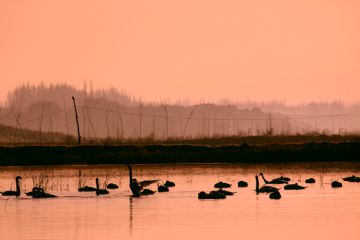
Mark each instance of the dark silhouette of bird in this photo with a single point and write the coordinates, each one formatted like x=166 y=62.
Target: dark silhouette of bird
x=225 y=192
x=275 y=195
x=38 y=192
x=86 y=189
x=336 y=184
x=310 y=180
x=17 y=190
x=163 y=188
x=112 y=186
x=100 y=191
x=274 y=181
x=286 y=179
x=146 y=183
x=36 y=189
x=352 y=178
x=147 y=192
x=264 y=189
x=137 y=188
x=169 y=184
x=222 y=185
x=82 y=188
x=242 y=184
x=211 y=195
x=294 y=186
x=133 y=184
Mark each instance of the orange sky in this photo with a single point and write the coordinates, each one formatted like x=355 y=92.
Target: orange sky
x=189 y=49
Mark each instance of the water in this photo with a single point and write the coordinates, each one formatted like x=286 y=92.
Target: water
x=318 y=212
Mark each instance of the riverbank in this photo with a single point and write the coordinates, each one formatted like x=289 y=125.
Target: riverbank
x=155 y=154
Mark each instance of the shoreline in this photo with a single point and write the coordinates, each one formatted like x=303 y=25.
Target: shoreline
x=162 y=154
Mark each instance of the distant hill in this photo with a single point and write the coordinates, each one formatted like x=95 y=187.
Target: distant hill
x=109 y=114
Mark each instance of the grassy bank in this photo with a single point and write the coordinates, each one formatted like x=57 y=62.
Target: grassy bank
x=149 y=154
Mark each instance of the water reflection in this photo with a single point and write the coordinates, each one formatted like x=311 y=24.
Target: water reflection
x=319 y=211
x=131 y=215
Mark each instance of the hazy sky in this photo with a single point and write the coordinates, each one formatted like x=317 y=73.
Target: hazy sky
x=186 y=49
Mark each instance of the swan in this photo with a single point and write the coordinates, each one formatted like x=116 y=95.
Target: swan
x=352 y=178
x=100 y=191
x=310 y=180
x=211 y=195
x=82 y=188
x=224 y=192
x=36 y=189
x=86 y=189
x=222 y=185
x=134 y=185
x=16 y=192
x=264 y=189
x=169 y=184
x=336 y=184
x=274 y=181
x=146 y=183
x=147 y=192
x=38 y=192
x=294 y=186
x=112 y=186
x=242 y=184
x=275 y=195
x=286 y=179
x=162 y=188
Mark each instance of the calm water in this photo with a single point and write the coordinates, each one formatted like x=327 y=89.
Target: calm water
x=318 y=212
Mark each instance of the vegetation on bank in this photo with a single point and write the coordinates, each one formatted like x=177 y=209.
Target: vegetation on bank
x=155 y=154
x=11 y=136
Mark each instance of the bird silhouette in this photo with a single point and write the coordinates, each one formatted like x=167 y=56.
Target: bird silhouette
x=222 y=185
x=16 y=192
x=274 y=181
x=352 y=178
x=336 y=184
x=264 y=189
x=294 y=186
x=310 y=180
x=100 y=191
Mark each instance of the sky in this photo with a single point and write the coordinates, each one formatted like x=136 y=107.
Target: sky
x=197 y=50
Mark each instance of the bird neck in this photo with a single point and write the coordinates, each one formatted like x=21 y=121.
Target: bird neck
x=97 y=184
x=130 y=174
x=266 y=181
x=79 y=184
x=17 y=187
x=257 y=184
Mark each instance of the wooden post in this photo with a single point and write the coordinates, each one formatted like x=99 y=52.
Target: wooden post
x=66 y=119
x=140 y=120
x=167 y=124
x=188 y=120
x=77 y=121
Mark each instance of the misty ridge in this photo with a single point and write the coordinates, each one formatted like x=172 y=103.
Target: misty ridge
x=111 y=114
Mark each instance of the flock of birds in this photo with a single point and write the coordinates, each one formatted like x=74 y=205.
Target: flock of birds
x=139 y=188
x=274 y=192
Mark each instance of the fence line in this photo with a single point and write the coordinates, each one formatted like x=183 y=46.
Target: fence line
x=207 y=117
x=286 y=117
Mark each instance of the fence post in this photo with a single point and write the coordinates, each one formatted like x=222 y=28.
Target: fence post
x=77 y=121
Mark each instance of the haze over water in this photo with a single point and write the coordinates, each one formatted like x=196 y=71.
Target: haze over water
x=260 y=60
x=294 y=51
x=318 y=212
